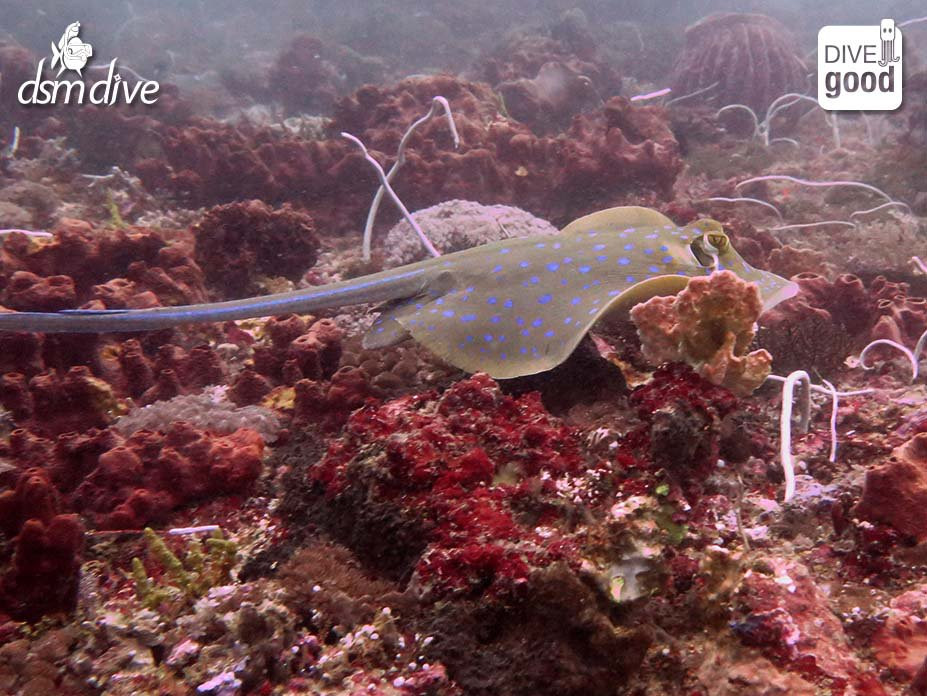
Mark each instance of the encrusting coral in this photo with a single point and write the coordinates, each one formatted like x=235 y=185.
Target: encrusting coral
x=710 y=326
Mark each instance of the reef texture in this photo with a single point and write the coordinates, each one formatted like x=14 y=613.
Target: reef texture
x=266 y=507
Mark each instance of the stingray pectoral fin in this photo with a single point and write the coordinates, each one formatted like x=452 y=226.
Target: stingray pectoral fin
x=619 y=218
x=524 y=337
x=385 y=332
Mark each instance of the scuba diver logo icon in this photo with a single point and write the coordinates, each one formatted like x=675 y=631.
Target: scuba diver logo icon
x=71 y=53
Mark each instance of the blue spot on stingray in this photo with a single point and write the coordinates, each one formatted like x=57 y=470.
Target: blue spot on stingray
x=568 y=259
x=448 y=312
x=524 y=264
x=439 y=301
x=613 y=293
x=654 y=235
x=663 y=247
x=667 y=259
x=586 y=286
x=648 y=251
x=624 y=261
x=549 y=333
x=535 y=280
x=413 y=322
x=495 y=319
x=598 y=247
x=469 y=339
x=464 y=298
x=523 y=350
x=418 y=306
x=519 y=321
x=537 y=322
x=540 y=245
x=583 y=269
x=601 y=258
x=488 y=338
x=629 y=229
x=593 y=311
x=575 y=301
x=596 y=300
x=567 y=320
x=507 y=303
x=593 y=233
x=380 y=330
x=504 y=250
x=557 y=245
x=483 y=349
x=564 y=281
x=596 y=282
x=695 y=230
x=496 y=269
x=544 y=299
x=553 y=266
x=432 y=327
x=468 y=317
x=501 y=339
x=502 y=356
x=628 y=246
x=525 y=332
x=630 y=279
x=470 y=289
x=653 y=269
x=491 y=300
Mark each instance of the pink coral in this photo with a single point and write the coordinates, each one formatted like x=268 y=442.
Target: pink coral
x=709 y=325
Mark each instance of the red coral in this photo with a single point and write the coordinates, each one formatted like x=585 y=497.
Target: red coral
x=237 y=242
x=43 y=573
x=682 y=415
x=151 y=474
x=896 y=492
x=426 y=467
x=752 y=57
x=785 y=614
x=83 y=264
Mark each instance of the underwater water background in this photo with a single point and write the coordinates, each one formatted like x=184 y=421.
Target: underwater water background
x=617 y=388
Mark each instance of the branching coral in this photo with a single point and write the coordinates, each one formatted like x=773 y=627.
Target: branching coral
x=709 y=325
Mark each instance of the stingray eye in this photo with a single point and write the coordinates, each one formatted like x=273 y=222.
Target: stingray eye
x=718 y=240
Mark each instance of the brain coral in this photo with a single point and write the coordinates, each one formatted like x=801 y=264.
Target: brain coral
x=752 y=57
x=456 y=225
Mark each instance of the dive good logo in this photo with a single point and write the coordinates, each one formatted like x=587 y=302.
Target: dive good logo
x=72 y=53
x=860 y=68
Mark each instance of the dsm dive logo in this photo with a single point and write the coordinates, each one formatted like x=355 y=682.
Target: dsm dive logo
x=72 y=53
x=860 y=67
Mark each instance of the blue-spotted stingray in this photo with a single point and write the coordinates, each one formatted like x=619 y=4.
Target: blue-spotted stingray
x=509 y=308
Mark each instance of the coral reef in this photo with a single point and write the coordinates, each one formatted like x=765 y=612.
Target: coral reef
x=265 y=506
x=709 y=325
x=894 y=491
x=239 y=242
x=457 y=225
x=752 y=57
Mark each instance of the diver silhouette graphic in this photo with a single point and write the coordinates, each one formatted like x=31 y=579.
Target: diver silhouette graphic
x=71 y=52
x=888 y=42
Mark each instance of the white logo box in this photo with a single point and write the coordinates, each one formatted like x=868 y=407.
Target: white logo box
x=860 y=68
